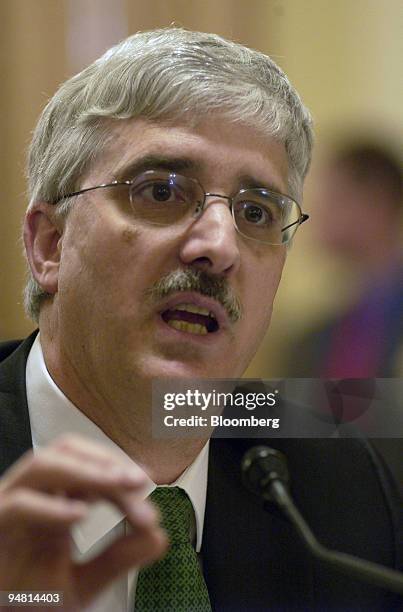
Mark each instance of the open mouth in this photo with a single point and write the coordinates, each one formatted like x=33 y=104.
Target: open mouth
x=191 y=318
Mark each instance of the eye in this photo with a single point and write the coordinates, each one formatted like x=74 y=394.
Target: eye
x=255 y=214
x=159 y=191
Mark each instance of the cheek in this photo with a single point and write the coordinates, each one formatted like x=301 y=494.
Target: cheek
x=262 y=304
x=258 y=306
x=108 y=265
x=97 y=263
x=260 y=294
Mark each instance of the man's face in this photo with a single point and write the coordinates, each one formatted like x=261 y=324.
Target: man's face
x=110 y=261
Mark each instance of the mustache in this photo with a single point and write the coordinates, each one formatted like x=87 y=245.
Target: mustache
x=197 y=280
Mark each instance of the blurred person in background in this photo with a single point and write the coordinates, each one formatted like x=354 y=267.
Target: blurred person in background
x=358 y=219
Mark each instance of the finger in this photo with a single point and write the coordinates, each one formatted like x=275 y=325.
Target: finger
x=86 y=449
x=88 y=452
x=27 y=508
x=134 y=550
x=49 y=470
x=141 y=514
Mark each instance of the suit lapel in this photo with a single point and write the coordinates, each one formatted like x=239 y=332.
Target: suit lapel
x=15 y=430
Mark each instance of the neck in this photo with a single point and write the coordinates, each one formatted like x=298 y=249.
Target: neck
x=122 y=412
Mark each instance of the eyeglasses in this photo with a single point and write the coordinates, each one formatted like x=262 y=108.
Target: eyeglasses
x=164 y=198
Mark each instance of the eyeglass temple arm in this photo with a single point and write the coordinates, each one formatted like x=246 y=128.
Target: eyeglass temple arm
x=304 y=217
x=77 y=193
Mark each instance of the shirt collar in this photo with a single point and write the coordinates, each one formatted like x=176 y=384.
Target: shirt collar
x=53 y=414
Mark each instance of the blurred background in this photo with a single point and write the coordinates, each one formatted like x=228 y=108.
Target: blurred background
x=345 y=60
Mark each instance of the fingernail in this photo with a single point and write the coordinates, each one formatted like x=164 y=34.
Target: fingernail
x=78 y=507
x=134 y=478
x=142 y=513
x=128 y=477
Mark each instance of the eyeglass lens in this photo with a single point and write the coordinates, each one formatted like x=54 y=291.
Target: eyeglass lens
x=161 y=198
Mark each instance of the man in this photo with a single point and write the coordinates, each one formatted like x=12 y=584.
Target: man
x=156 y=236
x=363 y=181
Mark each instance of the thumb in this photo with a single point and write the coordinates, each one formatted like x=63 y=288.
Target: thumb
x=134 y=550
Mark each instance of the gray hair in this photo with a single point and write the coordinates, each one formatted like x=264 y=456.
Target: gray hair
x=170 y=74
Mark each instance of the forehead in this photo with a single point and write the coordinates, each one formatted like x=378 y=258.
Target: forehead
x=216 y=151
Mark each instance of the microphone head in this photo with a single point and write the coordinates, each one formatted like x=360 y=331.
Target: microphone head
x=261 y=465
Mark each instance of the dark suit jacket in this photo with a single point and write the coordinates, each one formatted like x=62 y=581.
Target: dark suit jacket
x=252 y=559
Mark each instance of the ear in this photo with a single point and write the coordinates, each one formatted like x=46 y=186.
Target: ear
x=42 y=240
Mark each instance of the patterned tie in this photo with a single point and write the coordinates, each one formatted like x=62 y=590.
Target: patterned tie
x=175 y=583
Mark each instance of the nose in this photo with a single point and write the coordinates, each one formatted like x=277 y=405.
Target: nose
x=211 y=241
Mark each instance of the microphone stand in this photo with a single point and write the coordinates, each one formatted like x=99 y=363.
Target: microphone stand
x=348 y=564
x=265 y=473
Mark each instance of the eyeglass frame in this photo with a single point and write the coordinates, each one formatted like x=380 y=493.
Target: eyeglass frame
x=200 y=207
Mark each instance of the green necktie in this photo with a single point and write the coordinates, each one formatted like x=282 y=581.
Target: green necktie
x=175 y=583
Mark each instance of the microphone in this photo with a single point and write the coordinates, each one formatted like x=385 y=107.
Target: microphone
x=265 y=473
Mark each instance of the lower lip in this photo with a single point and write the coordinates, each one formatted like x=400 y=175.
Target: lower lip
x=188 y=336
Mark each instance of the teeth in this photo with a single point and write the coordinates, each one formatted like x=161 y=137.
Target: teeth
x=195 y=309
x=192 y=328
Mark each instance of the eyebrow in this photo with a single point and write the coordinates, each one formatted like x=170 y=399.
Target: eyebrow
x=156 y=162
x=181 y=164
x=248 y=182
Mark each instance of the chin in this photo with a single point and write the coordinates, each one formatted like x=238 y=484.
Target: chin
x=179 y=368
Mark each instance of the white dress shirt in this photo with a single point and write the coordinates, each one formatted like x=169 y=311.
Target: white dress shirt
x=52 y=414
